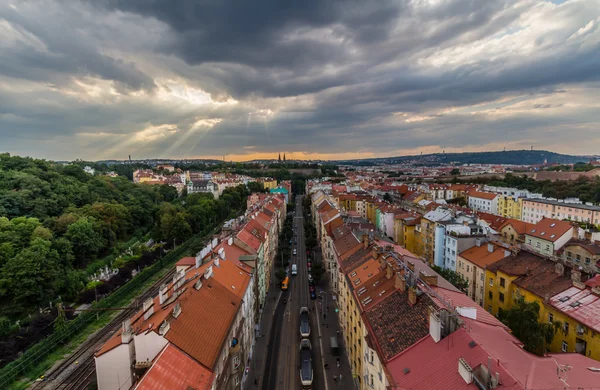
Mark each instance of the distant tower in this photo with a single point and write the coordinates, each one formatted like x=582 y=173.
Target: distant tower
x=283 y=157
x=279 y=157
x=130 y=158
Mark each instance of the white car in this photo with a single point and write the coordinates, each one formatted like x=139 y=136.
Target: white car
x=295 y=252
x=294 y=269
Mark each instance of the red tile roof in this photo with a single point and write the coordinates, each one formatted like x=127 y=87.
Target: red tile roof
x=550 y=229
x=495 y=221
x=482 y=195
x=189 y=261
x=173 y=369
x=249 y=239
x=395 y=325
x=581 y=305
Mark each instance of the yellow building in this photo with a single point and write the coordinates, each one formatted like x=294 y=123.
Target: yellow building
x=371 y=211
x=347 y=202
x=510 y=206
x=404 y=230
x=269 y=183
x=577 y=310
x=559 y=293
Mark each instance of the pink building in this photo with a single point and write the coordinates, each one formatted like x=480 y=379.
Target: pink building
x=536 y=209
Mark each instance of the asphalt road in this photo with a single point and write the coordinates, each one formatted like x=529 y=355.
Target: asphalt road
x=282 y=369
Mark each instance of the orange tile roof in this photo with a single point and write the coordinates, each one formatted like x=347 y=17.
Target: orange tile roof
x=482 y=195
x=186 y=261
x=205 y=320
x=173 y=369
x=520 y=227
x=482 y=257
x=550 y=229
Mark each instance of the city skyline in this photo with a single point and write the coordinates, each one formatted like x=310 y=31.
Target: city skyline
x=328 y=80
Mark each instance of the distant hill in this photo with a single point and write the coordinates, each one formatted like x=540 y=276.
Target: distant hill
x=526 y=157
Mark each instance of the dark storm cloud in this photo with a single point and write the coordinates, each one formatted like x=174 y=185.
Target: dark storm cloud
x=57 y=51
x=320 y=75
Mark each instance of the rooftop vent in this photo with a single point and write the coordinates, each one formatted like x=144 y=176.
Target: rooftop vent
x=564 y=299
x=575 y=304
x=533 y=231
x=406 y=370
x=552 y=225
x=472 y=344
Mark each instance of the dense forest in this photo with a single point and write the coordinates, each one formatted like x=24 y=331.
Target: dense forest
x=56 y=219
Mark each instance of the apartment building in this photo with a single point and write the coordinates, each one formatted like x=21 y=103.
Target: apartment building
x=483 y=201
x=548 y=236
x=536 y=209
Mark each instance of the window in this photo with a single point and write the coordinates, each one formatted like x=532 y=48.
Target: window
x=501 y=297
x=490 y=295
x=468 y=269
x=482 y=277
x=371 y=357
x=588 y=260
x=491 y=282
x=569 y=255
x=372 y=381
x=578 y=259
x=537 y=245
x=490 y=308
x=236 y=361
x=529 y=241
x=502 y=282
x=565 y=346
x=547 y=247
x=566 y=327
x=481 y=290
x=550 y=318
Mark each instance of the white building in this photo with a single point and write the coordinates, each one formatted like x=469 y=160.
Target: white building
x=483 y=201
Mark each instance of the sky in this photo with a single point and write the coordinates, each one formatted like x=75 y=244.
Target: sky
x=315 y=79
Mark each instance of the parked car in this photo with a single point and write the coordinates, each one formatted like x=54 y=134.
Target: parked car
x=294 y=252
x=294 y=269
x=313 y=295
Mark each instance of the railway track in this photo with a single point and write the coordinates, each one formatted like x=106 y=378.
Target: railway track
x=76 y=371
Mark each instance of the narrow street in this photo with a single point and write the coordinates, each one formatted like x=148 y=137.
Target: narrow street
x=277 y=352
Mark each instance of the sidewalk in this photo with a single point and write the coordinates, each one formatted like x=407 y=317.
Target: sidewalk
x=259 y=356
x=330 y=327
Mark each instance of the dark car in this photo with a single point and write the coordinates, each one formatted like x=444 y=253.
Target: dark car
x=311 y=288
x=308 y=264
x=313 y=295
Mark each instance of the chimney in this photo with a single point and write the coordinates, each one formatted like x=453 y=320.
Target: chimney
x=208 y=273
x=478 y=241
x=126 y=333
x=365 y=241
x=411 y=265
x=375 y=252
x=490 y=247
x=163 y=294
x=465 y=371
x=430 y=280
x=435 y=325
x=559 y=269
x=400 y=282
x=177 y=310
x=389 y=272
x=148 y=308
x=596 y=290
x=230 y=241
x=412 y=296
x=198 y=284
x=575 y=276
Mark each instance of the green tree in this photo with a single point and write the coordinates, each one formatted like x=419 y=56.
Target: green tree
x=387 y=197
x=522 y=319
x=85 y=239
x=317 y=272
x=27 y=279
x=455 y=172
x=255 y=186
x=453 y=277
x=280 y=274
